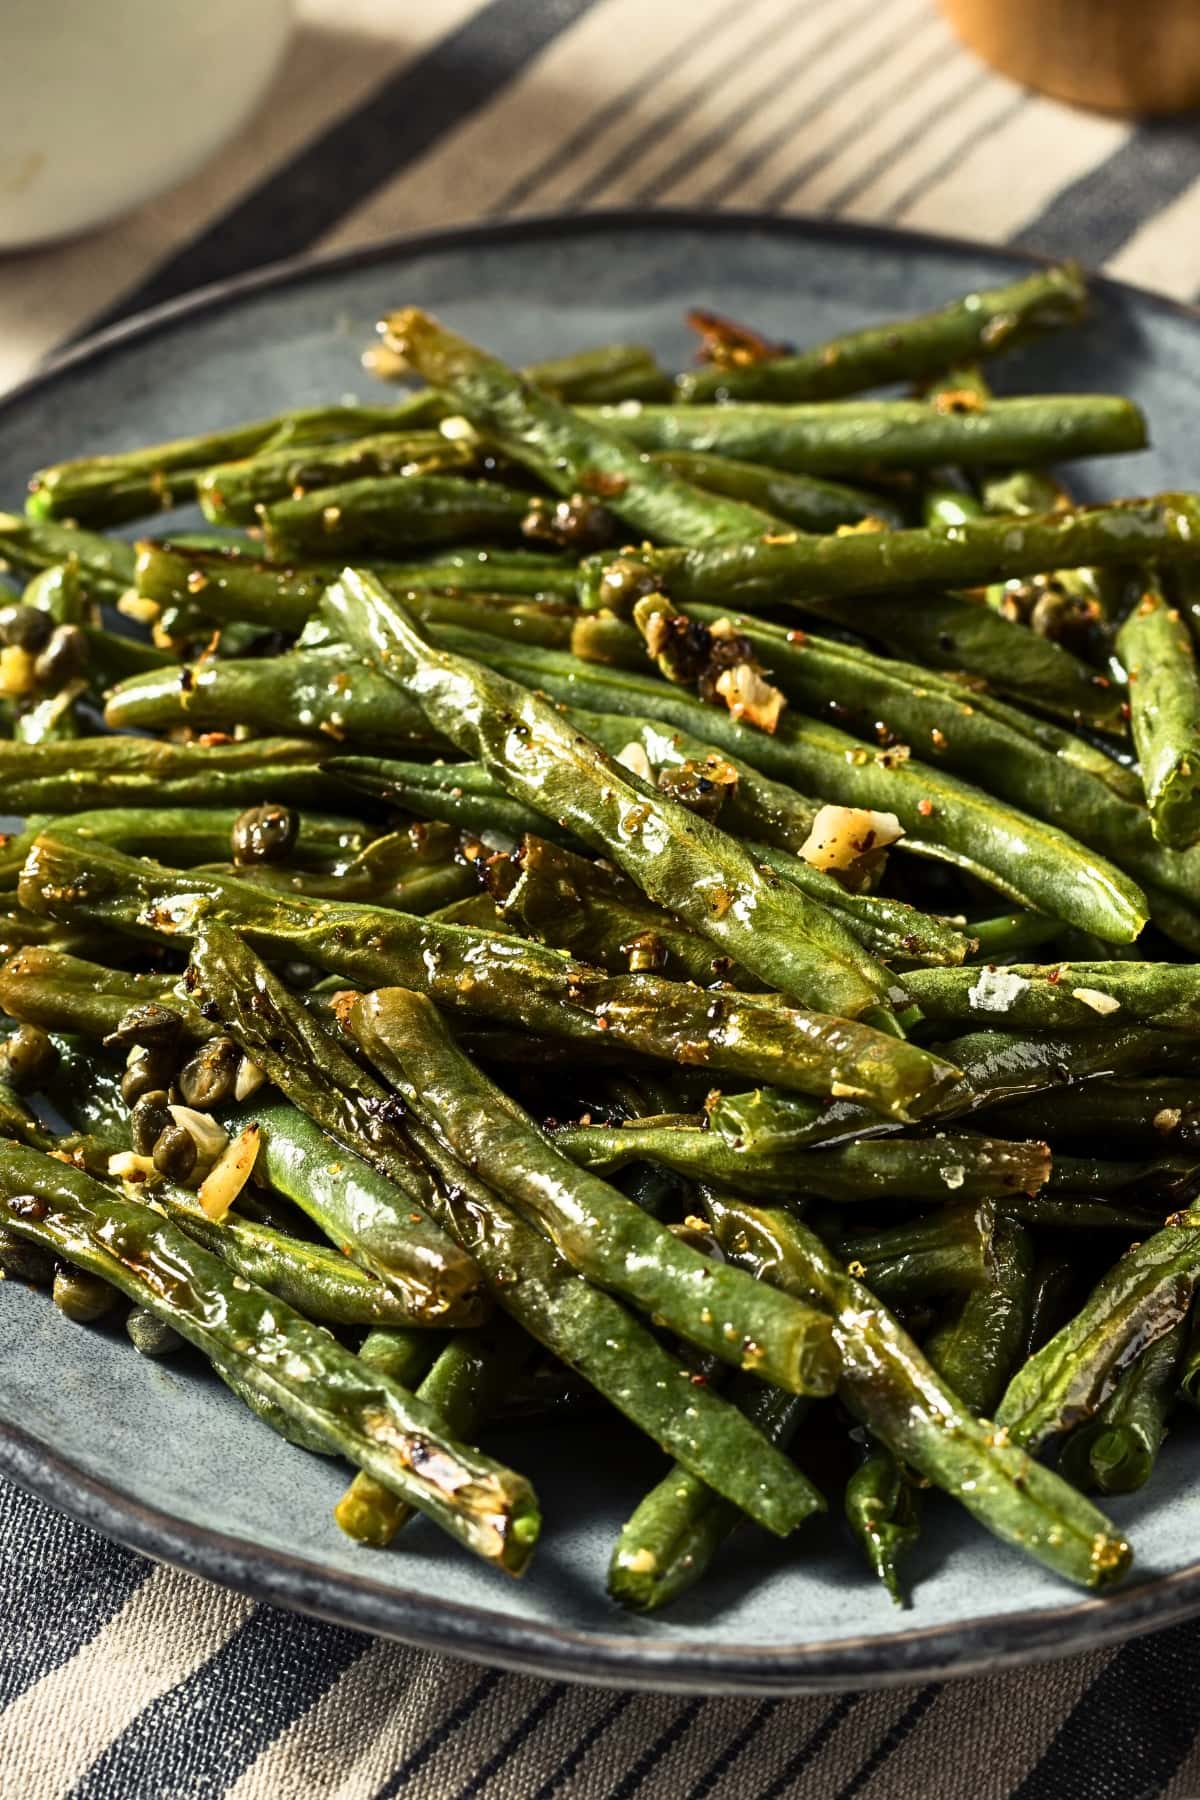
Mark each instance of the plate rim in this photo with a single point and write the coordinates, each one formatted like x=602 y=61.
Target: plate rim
x=986 y=1643
x=213 y=296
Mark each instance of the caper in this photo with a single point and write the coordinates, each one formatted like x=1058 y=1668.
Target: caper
x=28 y=1057
x=577 y=524
x=148 y=1025
x=20 y=1261
x=150 y=1067
x=209 y=1077
x=624 y=581
x=64 y=658
x=175 y=1153
x=265 y=834
x=25 y=628
x=80 y=1296
x=148 y=1120
x=151 y=1335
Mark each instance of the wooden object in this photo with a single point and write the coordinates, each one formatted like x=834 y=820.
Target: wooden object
x=1114 y=55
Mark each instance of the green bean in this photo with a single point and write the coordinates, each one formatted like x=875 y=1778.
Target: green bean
x=1008 y=936
x=983 y=323
x=463 y=793
x=107 y=490
x=597 y=1337
x=321 y=1283
x=953 y=633
x=575 y=905
x=1164 y=696
x=976 y=1350
x=886 y=927
x=1139 y=1300
x=676 y=858
x=997 y=1067
x=402 y=1353
x=571 y=453
x=383 y=1224
x=1032 y=863
x=601 y=1233
x=798 y=499
x=1146 y=1110
x=19 y=1122
x=501 y=977
x=393 y=512
x=191 y=834
x=505 y=978
x=317 y=691
x=1164 y=1176
x=293 y=1365
x=948 y=1252
x=675 y=1531
x=883 y=1513
x=858 y=438
x=230 y=493
x=470 y=796
x=1116 y=1452
x=1070 y=1212
x=61 y=992
x=945 y=1167
x=952 y=725
x=136 y=771
x=1065 y=997
x=791 y=568
x=462 y=1386
x=105 y=565
x=894 y=1392
x=283 y=597
x=611 y=371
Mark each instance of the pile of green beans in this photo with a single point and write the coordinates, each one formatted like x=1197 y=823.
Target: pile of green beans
x=597 y=889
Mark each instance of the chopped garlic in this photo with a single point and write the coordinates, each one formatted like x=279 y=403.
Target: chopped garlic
x=458 y=429
x=1168 y=1118
x=229 y=1175
x=641 y=1562
x=209 y=1138
x=249 y=1079
x=133 y=605
x=996 y=989
x=16 y=672
x=841 y=834
x=1098 y=1000
x=633 y=757
x=125 y=1165
x=953 y=1175
x=749 y=696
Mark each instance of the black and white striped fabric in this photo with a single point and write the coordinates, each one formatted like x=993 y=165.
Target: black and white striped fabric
x=123 y=1681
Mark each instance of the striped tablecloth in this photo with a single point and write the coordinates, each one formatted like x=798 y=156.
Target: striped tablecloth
x=119 y=1681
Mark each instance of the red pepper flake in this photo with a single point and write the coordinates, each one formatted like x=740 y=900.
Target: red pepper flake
x=925 y=808
x=797 y=636
x=212 y=740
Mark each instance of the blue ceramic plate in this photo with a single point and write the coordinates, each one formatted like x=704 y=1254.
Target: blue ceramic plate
x=162 y=1457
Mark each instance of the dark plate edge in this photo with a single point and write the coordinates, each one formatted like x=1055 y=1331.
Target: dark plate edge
x=398 y=245
x=554 y=1653
x=935 y=1652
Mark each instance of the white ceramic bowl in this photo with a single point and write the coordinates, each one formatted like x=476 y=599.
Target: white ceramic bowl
x=105 y=103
